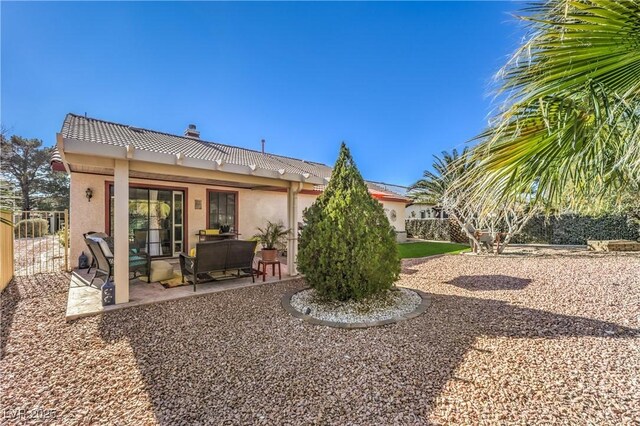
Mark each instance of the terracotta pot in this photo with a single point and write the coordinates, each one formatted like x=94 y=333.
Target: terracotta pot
x=269 y=255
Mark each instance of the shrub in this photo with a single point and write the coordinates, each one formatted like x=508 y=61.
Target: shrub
x=60 y=235
x=31 y=228
x=577 y=229
x=428 y=229
x=347 y=246
x=436 y=229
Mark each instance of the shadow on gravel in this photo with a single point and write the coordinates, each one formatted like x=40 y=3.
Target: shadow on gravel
x=25 y=287
x=489 y=282
x=8 y=301
x=237 y=357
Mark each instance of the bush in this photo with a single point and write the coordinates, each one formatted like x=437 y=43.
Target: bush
x=577 y=229
x=31 y=228
x=347 y=246
x=436 y=229
x=428 y=229
x=60 y=235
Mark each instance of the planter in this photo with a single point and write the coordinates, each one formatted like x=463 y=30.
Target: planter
x=269 y=255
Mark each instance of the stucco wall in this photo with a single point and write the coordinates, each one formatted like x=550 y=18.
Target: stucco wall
x=255 y=207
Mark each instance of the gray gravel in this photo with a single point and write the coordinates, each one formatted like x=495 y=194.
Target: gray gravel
x=513 y=340
x=397 y=303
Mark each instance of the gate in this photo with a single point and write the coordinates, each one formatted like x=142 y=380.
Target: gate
x=40 y=242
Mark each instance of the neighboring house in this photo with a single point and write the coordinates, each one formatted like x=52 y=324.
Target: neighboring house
x=173 y=186
x=419 y=210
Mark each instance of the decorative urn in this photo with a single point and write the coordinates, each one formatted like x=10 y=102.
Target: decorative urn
x=83 y=261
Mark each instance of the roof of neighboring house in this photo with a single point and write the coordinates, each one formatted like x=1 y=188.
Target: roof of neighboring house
x=87 y=129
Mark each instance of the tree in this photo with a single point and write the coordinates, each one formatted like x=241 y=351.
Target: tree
x=52 y=190
x=569 y=128
x=433 y=185
x=347 y=246
x=487 y=213
x=24 y=162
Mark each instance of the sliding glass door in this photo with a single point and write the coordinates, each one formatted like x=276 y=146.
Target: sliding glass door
x=156 y=218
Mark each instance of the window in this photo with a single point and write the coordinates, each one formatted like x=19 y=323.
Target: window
x=423 y=214
x=222 y=208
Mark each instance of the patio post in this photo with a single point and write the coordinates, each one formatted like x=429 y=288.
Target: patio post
x=292 y=221
x=121 y=230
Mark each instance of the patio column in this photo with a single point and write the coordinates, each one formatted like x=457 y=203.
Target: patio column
x=121 y=230
x=292 y=223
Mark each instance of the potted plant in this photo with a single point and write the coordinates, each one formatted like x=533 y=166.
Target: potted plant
x=271 y=238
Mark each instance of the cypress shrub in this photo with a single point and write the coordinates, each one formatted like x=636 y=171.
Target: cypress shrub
x=347 y=246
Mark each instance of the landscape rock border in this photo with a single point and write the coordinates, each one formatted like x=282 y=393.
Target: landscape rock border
x=420 y=309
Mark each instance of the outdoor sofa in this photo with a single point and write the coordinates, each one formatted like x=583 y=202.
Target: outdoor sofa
x=218 y=256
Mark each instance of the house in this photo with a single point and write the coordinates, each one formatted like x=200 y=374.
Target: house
x=420 y=210
x=141 y=185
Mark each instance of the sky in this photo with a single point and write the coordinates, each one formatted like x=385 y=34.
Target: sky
x=398 y=82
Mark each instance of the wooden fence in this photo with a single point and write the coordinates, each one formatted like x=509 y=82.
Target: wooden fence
x=6 y=248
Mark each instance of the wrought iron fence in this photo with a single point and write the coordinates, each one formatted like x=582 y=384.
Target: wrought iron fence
x=41 y=242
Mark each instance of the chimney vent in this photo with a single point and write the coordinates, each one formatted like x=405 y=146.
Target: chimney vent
x=263 y=146
x=192 y=132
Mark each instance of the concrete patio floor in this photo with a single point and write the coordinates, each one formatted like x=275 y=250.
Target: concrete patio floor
x=84 y=300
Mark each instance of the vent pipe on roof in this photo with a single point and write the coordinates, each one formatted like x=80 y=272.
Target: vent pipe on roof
x=192 y=132
x=263 y=145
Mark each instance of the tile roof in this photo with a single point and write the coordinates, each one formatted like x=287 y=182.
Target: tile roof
x=99 y=131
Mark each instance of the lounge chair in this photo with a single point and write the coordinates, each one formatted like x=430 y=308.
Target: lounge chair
x=99 y=235
x=101 y=246
x=218 y=256
x=101 y=264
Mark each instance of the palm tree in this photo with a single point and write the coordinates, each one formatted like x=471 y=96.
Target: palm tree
x=433 y=185
x=569 y=128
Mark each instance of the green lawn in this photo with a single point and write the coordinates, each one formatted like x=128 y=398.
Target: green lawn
x=422 y=249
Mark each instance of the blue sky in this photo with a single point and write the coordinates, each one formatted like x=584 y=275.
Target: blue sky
x=398 y=82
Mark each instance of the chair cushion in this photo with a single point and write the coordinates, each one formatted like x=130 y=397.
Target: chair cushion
x=160 y=270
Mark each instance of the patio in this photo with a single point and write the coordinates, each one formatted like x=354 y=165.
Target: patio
x=84 y=300
x=513 y=340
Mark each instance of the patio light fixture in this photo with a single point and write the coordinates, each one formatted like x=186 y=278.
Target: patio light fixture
x=89 y=194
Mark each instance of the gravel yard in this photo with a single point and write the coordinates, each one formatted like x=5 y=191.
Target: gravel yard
x=524 y=340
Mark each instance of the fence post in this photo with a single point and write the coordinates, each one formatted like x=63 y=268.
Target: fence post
x=66 y=240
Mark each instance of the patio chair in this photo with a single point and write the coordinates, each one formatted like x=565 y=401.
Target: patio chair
x=99 y=235
x=103 y=266
x=139 y=260
x=484 y=237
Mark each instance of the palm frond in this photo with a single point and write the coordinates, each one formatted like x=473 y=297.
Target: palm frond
x=569 y=129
